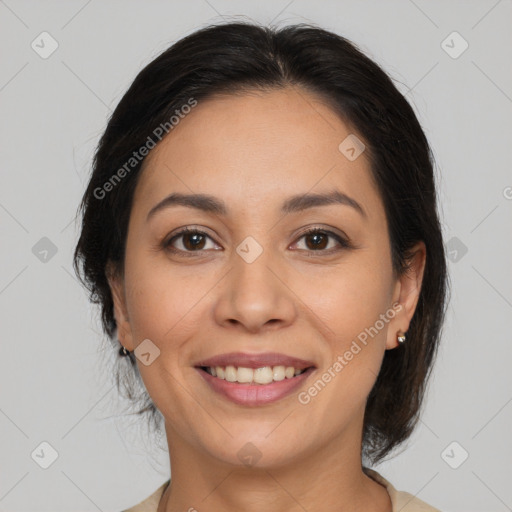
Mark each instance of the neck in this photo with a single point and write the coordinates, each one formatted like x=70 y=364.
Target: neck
x=329 y=478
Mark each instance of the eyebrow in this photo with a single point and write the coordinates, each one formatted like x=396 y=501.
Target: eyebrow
x=293 y=204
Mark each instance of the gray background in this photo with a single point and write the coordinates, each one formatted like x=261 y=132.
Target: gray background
x=55 y=382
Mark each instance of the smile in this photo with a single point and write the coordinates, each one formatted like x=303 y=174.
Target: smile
x=264 y=375
x=254 y=387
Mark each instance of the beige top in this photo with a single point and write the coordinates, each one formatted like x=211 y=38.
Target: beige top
x=400 y=501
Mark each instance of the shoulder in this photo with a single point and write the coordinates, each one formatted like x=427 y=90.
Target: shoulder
x=150 y=504
x=400 y=500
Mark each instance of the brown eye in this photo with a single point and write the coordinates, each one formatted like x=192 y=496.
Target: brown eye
x=319 y=240
x=187 y=241
x=193 y=241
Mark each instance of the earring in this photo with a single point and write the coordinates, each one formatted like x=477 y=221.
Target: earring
x=123 y=351
x=401 y=338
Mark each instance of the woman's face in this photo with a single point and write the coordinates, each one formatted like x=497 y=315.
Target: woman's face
x=253 y=281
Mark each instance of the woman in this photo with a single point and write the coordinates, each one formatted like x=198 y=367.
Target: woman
x=261 y=233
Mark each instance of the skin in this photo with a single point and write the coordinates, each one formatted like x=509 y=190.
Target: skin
x=253 y=151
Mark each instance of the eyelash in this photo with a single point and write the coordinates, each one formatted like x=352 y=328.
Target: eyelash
x=344 y=243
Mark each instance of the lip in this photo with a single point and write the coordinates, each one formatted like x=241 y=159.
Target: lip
x=255 y=360
x=254 y=395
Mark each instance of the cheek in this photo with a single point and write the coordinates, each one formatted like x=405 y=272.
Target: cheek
x=165 y=308
x=351 y=301
x=350 y=297
x=167 y=303
x=350 y=304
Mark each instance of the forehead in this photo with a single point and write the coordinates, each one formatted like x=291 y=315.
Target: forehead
x=256 y=148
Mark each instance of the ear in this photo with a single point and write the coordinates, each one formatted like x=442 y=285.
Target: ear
x=116 y=284
x=406 y=293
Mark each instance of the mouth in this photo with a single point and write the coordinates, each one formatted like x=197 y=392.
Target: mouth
x=254 y=379
x=253 y=376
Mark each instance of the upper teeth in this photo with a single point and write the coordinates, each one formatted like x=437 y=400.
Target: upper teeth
x=264 y=375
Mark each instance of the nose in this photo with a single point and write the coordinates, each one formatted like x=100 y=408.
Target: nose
x=254 y=296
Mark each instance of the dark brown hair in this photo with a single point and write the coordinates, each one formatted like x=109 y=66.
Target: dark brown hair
x=233 y=57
